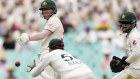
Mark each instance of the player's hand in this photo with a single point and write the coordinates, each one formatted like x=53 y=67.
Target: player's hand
x=31 y=67
x=23 y=38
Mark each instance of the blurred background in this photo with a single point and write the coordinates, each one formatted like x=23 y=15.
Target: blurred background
x=92 y=33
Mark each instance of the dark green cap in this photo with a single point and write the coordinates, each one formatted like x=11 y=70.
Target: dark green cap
x=56 y=44
x=48 y=4
x=127 y=18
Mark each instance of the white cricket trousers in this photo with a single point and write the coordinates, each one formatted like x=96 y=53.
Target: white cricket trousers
x=135 y=73
x=87 y=76
x=82 y=72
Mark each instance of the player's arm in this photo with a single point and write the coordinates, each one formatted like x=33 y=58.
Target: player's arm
x=50 y=27
x=46 y=76
x=40 y=35
x=135 y=50
x=41 y=66
x=35 y=37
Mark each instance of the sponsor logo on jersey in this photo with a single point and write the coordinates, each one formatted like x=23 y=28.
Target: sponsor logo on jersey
x=134 y=42
x=50 y=26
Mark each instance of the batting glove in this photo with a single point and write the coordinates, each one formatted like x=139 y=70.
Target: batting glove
x=23 y=38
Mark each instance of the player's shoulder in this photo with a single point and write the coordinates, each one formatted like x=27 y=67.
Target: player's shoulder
x=54 y=18
x=57 y=51
x=135 y=33
x=50 y=54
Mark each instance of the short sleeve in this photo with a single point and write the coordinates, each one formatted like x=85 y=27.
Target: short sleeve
x=52 y=24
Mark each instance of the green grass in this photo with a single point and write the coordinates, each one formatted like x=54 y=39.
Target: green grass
x=130 y=77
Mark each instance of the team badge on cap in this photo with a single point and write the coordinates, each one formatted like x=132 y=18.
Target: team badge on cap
x=135 y=42
x=44 y=4
x=123 y=16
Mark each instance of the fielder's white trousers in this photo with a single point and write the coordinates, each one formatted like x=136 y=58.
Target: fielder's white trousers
x=82 y=72
x=135 y=73
x=87 y=76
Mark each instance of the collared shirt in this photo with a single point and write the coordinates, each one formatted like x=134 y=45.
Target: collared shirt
x=55 y=26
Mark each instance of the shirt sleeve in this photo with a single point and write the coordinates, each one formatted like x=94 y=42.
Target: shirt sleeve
x=52 y=24
x=42 y=65
x=46 y=76
x=134 y=50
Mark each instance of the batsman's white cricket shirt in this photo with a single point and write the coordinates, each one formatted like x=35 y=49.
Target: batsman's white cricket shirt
x=133 y=49
x=63 y=63
x=55 y=26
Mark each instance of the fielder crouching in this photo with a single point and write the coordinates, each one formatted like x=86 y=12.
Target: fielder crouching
x=67 y=66
x=129 y=66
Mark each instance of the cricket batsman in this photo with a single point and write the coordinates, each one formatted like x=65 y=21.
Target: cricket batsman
x=129 y=65
x=67 y=66
x=53 y=29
